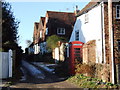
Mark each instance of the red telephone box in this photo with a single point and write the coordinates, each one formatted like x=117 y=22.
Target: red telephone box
x=74 y=54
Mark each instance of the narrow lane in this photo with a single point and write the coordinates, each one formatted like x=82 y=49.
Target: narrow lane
x=35 y=77
x=33 y=74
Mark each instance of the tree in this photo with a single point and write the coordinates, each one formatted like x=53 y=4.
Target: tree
x=52 y=41
x=28 y=42
x=9 y=27
x=10 y=32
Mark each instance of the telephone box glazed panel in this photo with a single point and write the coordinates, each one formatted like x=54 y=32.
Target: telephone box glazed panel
x=74 y=55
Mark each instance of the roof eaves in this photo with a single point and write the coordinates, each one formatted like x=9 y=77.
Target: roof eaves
x=86 y=10
x=89 y=8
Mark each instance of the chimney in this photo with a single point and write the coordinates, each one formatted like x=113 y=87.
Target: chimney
x=76 y=10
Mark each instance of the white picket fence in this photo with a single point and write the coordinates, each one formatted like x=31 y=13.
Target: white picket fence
x=6 y=64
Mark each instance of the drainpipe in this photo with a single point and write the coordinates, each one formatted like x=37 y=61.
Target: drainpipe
x=111 y=38
x=103 y=34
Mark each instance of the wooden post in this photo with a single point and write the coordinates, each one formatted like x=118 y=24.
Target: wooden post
x=10 y=62
x=111 y=41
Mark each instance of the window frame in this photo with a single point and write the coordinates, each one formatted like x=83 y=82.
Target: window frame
x=77 y=35
x=60 y=32
x=46 y=31
x=86 y=17
x=116 y=11
x=41 y=34
x=119 y=46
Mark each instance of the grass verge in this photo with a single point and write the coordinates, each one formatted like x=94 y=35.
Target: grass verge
x=87 y=82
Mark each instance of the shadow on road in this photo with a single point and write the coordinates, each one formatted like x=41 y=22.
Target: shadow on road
x=34 y=77
x=37 y=75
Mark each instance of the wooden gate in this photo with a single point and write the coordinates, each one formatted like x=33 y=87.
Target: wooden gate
x=6 y=64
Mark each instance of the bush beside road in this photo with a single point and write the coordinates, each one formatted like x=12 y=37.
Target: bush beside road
x=87 y=82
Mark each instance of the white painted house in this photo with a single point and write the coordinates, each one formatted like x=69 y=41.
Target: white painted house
x=89 y=26
x=96 y=22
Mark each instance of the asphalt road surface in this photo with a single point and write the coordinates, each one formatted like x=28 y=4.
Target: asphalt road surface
x=34 y=77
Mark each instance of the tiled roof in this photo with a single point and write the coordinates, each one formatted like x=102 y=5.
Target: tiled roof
x=67 y=17
x=89 y=6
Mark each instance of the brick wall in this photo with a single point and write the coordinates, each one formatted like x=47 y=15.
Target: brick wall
x=116 y=37
x=116 y=29
x=116 y=33
x=89 y=52
x=102 y=71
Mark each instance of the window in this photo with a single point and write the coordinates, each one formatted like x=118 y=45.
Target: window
x=61 y=31
x=77 y=35
x=117 y=11
x=119 y=45
x=46 y=31
x=40 y=34
x=86 y=18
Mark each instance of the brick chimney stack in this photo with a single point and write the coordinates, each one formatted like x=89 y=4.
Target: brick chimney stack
x=76 y=10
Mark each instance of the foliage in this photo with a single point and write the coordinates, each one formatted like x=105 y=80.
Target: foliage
x=9 y=26
x=52 y=41
x=85 y=69
x=94 y=70
x=28 y=42
x=88 y=82
x=62 y=70
x=10 y=32
x=1 y=50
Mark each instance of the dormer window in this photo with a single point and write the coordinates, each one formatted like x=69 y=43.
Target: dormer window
x=117 y=11
x=61 y=31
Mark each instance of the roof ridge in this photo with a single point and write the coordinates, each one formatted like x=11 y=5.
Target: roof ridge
x=60 y=12
x=92 y=3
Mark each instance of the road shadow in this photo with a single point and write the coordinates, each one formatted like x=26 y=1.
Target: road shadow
x=28 y=77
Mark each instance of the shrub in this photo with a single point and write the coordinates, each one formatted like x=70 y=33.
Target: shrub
x=88 y=69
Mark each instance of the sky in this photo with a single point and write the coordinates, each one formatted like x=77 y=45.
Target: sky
x=29 y=12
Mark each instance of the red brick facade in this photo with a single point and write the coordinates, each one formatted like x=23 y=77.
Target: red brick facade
x=59 y=20
x=116 y=37
x=35 y=33
x=116 y=33
x=38 y=26
x=89 y=52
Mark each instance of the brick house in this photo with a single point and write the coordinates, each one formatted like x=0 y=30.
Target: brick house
x=91 y=27
x=41 y=36
x=57 y=23
x=35 y=37
x=54 y=23
x=38 y=34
